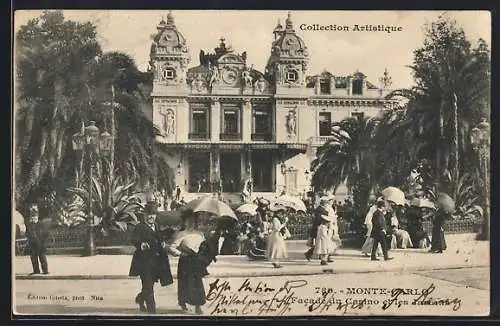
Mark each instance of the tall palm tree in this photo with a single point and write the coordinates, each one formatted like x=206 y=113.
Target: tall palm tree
x=348 y=157
x=51 y=55
x=451 y=93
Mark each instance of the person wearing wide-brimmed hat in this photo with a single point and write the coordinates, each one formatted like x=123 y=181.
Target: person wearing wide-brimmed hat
x=192 y=266
x=275 y=246
x=324 y=208
x=324 y=246
x=150 y=260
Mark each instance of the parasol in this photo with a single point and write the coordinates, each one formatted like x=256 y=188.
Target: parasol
x=395 y=195
x=445 y=202
x=248 y=209
x=290 y=202
x=18 y=220
x=213 y=206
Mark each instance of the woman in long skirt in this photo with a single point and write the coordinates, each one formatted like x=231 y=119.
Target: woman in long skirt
x=368 y=245
x=438 y=243
x=190 y=270
x=276 y=248
x=324 y=245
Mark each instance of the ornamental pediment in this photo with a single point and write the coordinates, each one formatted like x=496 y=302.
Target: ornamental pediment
x=231 y=58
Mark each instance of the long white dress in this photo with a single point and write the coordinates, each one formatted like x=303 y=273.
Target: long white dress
x=334 y=229
x=368 y=245
x=324 y=243
x=276 y=248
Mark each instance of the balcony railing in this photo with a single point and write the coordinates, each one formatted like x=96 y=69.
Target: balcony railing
x=230 y=136
x=199 y=136
x=319 y=140
x=262 y=137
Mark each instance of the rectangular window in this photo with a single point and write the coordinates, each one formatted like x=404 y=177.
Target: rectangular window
x=357 y=87
x=262 y=171
x=324 y=86
x=199 y=172
x=325 y=123
x=359 y=115
x=200 y=122
x=261 y=124
x=231 y=126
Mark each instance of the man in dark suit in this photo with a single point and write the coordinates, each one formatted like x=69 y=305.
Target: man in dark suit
x=37 y=237
x=150 y=260
x=379 y=231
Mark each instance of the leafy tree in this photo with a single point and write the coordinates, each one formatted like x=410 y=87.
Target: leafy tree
x=349 y=156
x=51 y=59
x=452 y=93
x=63 y=80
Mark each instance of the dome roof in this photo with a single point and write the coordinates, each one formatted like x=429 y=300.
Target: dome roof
x=168 y=36
x=289 y=42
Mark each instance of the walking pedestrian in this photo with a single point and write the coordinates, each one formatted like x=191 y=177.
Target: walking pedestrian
x=438 y=242
x=276 y=248
x=324 y=244
x=379 y=231
x=367 y=246
x=324 y=208
x=191 y=269
x=37 y=237
x=150 y=260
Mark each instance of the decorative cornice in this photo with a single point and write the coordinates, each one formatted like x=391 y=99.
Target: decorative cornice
x=348 y=102
x=229 y=98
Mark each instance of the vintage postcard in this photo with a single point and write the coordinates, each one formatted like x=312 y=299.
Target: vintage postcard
x=251 y=163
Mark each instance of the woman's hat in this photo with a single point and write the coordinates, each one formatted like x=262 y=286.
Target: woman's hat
x=151 y=208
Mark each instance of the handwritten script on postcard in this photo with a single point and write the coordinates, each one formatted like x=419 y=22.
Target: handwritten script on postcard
x=253 y=297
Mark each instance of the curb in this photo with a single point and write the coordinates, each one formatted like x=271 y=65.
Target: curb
x=271 y=272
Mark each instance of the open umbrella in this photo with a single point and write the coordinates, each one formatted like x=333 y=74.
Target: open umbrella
x=195 y=202
x=423 y=203
x=290 y=202
x=445 y=202
x=395 y=195
x=18 y=220
x=250 y=209
x=215 y=207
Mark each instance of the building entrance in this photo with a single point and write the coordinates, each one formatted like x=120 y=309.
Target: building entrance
x=262 y=171
x=230 y=171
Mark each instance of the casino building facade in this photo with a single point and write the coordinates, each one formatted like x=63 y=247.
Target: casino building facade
x=223 y=123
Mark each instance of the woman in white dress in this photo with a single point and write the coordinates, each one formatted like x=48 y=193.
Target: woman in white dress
x=324 y=245
x=276 y=248
x=334 y=230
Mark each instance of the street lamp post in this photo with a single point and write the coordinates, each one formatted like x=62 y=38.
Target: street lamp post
x=91 y=142
x=480 y=140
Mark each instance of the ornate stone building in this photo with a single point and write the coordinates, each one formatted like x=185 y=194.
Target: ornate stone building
x=224 y=123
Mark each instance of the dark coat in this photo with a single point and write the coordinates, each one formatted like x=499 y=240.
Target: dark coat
x=151 y=262
x=379 y=224
x=317 y=221
x=438 y=241
x=37 y=237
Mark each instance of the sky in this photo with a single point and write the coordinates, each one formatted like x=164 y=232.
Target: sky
x=339 y=52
